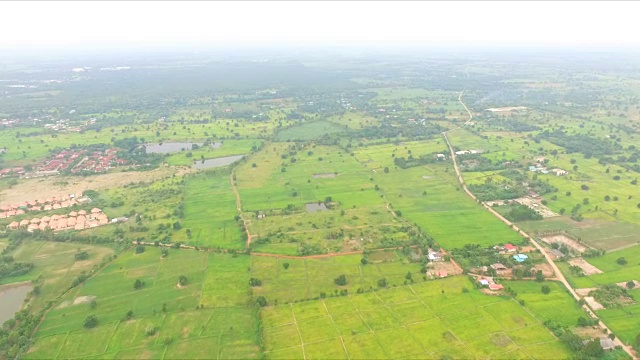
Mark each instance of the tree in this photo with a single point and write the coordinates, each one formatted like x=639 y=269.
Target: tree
x=253 y=282
x=621 y=261
x=164 y=252
x=82 y=255
x=382 y=282
x=182 y=280
x=139 y=249
x=340 y=280
x=177 y=225
x=138 y=284
x=261 y=301
x=584 y=187
x=386 y=169
x=585 y=201
x=128 y=315
x=285 y=266
x=364 y=261
x=90 y=322
x=254 y=165
x=546 y=289
x=631 y=284
x=408 y=276
x=150 y=330
x=539 y=276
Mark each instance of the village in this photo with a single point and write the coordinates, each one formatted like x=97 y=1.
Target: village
x=52 y=203
x=75 y=220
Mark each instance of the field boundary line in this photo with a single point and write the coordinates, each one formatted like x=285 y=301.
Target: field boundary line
x=113 y=333
x=295 y=321
x=366 y=324
x=435 y=316
x=401 y=324
x=336 y=327
x=66 y=336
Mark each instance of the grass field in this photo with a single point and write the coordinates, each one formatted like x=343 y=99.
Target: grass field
x=223 y=328
x=612 y=271
x=624 y=322
x=209 y=211
x=427 y=320
x=228 y=148
x=54 y=266
x=307 y=278
x=308 y=131
x=430 y=196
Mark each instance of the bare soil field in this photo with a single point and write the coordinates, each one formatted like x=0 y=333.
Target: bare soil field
x=587 y=268
x=561 y=239
x=585 y=291
x=537 y=206
x=624 y=284
x=593 y=303
x=547 y=271
x=33 y=189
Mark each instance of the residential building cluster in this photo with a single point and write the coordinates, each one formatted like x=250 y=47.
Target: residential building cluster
x=44 y=204
x=79 y=220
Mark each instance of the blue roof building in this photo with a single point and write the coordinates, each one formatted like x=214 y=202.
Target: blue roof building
x=520 y=257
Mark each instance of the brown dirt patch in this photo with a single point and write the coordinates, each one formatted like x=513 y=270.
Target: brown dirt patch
x=593 y=303
x=561 y=239
x=624 y=284
x=37 y=188
x=588 y=332
x=447 y=266
x=587 y=268
x=585 y=291
x=527 y=249
x=547 y=270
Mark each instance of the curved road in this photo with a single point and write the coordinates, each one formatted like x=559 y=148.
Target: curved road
x=556 y=270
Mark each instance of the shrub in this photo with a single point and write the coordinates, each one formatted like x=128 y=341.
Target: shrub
x=139 y=249
x=621 y=261
x=82 y=255
x=340 y=280
x=90 y=322
x=546 y=289
x=382 y=282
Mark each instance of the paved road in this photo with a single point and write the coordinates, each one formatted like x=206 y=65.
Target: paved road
x=560 y=277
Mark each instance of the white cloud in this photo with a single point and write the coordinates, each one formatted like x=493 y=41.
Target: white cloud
x=332 y=22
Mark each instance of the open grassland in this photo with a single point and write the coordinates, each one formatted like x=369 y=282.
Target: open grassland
x=428 y=320
x=624 y=322
x=206 y=318
x=209 y=211
x=356 y=218
x=308 y=131
x=54 y=266
x=430 y=197
x=304 y=279
x=266 y=187
x=612 y=271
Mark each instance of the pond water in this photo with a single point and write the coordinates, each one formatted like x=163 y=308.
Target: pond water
x=170 y=147
x=217 y=162
x=11 y=299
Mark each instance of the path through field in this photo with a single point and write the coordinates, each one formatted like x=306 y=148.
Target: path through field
x=559 y=276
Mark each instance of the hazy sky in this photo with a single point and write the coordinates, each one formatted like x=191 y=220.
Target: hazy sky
x=335 y=22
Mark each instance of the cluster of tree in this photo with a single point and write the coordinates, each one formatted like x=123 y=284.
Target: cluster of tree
x=502 y=191
x=610 y=295
x=411 y=161
x=519 y=212
x=388 y=131
x=81 y=255
x=510 y=124
x=15 y=334
x=477 y=162
x=8 y=266
x=581 y=143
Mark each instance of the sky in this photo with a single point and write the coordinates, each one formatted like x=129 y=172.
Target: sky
x=77 y=24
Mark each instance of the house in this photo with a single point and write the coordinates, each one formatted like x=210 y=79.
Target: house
x=441 y=273
x=559 y=172
x=495 y=287
x=520 y=257
x=24 y=223
x=14 y=225
x=605 y=343
x=434 y=256
x=440 y=156
x=510 y=248
x=557 y=253
x=498 y=267
x=484 y=282
x=95 y=211
x=82 y=212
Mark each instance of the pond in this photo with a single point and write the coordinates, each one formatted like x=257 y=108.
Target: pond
x=11 y=298
x=217 y=162
x=170 y=147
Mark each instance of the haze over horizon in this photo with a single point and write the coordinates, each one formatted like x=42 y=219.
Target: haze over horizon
x=127 y=25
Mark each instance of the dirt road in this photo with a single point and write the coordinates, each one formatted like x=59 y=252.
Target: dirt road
x=559 y=276
x=239 y=206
